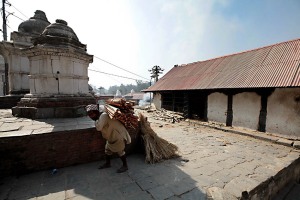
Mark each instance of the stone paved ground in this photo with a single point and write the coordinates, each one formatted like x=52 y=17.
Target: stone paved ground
x=226 y=160
x=212 y=160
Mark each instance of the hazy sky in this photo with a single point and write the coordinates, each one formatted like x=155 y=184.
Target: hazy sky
x=138 y=34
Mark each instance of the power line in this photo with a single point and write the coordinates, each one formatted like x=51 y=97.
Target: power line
x=17 y=9
x=8 y=22
x=8 y=26
x=17 y=17
x=11 y=13
x=120 y=67
x=113 y=75
x=94 y=55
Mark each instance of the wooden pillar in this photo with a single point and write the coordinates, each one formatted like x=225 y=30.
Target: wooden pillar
x=186 y=106
x=205 y=97
x=263 y=113
x=173 y=101
x=229 y=116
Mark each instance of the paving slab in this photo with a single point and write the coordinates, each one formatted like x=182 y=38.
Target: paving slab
x=216 y=193
x=7 y=127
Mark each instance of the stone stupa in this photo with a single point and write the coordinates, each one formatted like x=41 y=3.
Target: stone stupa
x=58 y=77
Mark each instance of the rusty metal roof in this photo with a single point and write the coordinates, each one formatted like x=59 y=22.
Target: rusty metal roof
x=276 y=65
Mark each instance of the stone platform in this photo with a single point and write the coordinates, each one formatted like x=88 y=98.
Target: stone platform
x=214 y=164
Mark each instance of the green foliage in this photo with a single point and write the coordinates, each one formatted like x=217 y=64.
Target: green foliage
x=125 y=89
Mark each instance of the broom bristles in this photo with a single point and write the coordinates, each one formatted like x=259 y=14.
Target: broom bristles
x=157 y=148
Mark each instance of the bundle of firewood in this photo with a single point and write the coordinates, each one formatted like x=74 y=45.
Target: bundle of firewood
x=123 y=111
x=157 y=149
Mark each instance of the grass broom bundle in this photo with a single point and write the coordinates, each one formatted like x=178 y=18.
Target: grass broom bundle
x=156 y=148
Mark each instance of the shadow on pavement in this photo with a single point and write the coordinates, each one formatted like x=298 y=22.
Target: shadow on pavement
x=143 y=181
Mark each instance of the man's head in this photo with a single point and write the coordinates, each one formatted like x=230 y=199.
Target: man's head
x=92 y=111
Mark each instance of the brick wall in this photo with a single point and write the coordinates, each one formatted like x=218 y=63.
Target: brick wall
x=24 y=154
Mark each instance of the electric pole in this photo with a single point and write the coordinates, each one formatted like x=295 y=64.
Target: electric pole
x=4 y=21
x=4 y=30
x=155 y=71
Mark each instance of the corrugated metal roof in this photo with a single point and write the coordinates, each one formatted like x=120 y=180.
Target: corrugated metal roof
x=276 y=65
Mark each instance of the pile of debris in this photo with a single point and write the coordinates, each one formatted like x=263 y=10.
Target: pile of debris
x=123 y=111
x=165 y=115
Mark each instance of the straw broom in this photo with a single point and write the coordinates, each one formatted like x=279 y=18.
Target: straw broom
x=157 y=148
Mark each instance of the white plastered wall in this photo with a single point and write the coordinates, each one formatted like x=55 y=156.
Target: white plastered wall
x=157 y=100
x=58 y=75
x=217 y=107
x=246 y=108
x=18 y=72
x=283 y=109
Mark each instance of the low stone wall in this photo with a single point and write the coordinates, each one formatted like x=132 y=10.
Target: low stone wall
x=271 y=187
x=28 y=153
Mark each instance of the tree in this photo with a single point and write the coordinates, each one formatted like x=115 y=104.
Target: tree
x=141 y=86
x=125 y=89
x=155 y=71
x=100 y=90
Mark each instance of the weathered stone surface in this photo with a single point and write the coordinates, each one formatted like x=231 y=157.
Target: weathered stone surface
x=239 y=185
x=205 y=181
x=147 y=183
x=130 y=189
x=161 y=192
x=174 y=178
x=216 y=193
x=285 y=142
x=10 y=127
x=196 y=193
x=182 y=187
x=210 y=169
x=35 y=25
x=15 y=133
x=296 y=144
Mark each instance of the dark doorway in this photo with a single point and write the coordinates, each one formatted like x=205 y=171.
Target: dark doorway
x=198 y=105
x=192 y=103
x=173 y=101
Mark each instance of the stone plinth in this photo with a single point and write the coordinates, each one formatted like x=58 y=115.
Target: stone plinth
x=52 y=107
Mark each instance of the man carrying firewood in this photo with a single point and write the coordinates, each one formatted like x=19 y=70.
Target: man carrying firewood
x=114 y=132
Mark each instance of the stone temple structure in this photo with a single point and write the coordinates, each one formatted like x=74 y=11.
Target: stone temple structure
x=58 y=75
x=14 y=65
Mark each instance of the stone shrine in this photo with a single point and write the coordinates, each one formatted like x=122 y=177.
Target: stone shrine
x=14 y=65
x=18 y=63
x=58 y=78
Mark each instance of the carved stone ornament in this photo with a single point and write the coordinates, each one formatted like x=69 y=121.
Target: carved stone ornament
x=64 y=52
x=35 y=25
x=59 y=33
